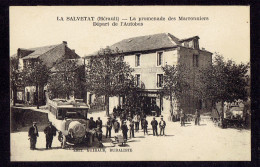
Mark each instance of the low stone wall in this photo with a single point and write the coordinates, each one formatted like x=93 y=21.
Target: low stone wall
x=22 y=119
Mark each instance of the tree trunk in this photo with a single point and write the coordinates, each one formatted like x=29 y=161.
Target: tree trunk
x=171 y=109
x=37 y=95
x=107 y=104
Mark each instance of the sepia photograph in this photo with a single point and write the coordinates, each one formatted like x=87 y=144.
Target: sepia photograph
x=130 y=83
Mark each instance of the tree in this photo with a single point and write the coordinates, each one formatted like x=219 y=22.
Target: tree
x=224 y=81
x=132 y=94
x=15 y=77
x=108 y=75
x=67 y=79
x=36 y=74
x=177 y=82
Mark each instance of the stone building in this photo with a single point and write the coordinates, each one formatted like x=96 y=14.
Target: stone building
x=50 y=56
x=147 y=54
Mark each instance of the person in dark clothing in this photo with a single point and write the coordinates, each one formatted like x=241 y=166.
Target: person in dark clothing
x=144 y=125
x=92 y=123
x=109 y=127
x=49 y=131
x=182 y=117
x=132 y=129
x=99 y=122
x=154 y=124
x=116 y=126
x=115 y=111
x=113 y=120
x=99 y=135
x=33 y=134
x=158 y=111
x=197 y=117
x=162 y=125
x=124 y=130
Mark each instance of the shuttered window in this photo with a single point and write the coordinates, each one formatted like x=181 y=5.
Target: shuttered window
x=159 y=58
x=138 y=80
x=159 y=80
x=137 y=60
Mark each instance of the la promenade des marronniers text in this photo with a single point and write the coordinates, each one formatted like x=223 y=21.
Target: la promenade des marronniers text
x=130 y=21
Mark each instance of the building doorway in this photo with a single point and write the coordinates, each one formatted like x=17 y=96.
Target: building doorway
x=147 y=104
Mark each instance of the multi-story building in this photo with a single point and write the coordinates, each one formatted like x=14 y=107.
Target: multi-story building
x=50 y=56
x=147 y=54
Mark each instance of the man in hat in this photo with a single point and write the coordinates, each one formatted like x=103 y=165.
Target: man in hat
x=49 y=131
x=92 y=123
x=33 y=134
x=116 y=126
x=144 y=125
x=99 y=122
x=162 y=125
x=154 y=124
x=132 y=125
x=109 y=127
x=124 y=130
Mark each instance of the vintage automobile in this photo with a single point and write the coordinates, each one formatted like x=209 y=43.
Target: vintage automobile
x=70 y=119
x=233 y=117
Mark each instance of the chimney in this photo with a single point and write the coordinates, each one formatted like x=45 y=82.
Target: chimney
x=64 y=42
x=73 y=50
x=203 y=48
x=19 y=53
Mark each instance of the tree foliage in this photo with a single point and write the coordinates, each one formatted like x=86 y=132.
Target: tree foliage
x=36 y=74
x=177 y=82
x=15 y=77
x=67 y=79
x=108 y=75
x=224 y=81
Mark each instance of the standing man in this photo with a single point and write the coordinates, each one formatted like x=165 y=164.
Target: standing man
x=124 y=130
x=33 y=134
x=197 y=117
x=136 y=122
x=99 y=122
x=182 y=116
x=49 y=131
x=144 y=125
x=109 y=127
x=132 y=129
x=162 y=125
x=116 y=126
x=154 y=124
x=92 y=123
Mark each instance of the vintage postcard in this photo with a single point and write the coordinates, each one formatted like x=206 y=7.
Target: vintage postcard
x=130 y=83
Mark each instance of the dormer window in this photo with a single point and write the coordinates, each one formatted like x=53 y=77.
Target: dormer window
x=191 y=42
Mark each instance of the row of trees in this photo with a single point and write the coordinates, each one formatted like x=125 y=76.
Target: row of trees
x=222 y=81
x=105 y=75
x=108 y=75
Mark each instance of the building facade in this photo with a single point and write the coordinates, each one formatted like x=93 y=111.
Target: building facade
x=50 y=56
x=148 y=54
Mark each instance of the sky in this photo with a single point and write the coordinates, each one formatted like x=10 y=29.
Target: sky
x=227 y=30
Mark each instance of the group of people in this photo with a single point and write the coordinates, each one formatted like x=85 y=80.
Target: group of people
x=197 y=117
x=133 y=125
x=129 y=123
x=50 y=132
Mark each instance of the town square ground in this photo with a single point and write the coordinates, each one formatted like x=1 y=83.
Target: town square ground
x=206 y=142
